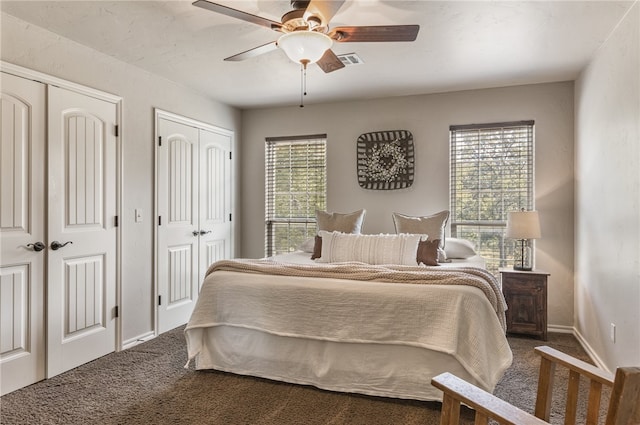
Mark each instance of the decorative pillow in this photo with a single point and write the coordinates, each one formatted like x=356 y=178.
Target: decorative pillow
x=317 y=248
x=371 y=249
x=432 y=225
x=307 y=245
x=337 y=222
x=459 y=248
x=428 y=252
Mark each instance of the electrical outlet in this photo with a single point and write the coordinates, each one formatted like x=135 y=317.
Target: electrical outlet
x=613 y=332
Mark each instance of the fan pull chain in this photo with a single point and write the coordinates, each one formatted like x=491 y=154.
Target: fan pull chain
x=303 y=81
x=301 y=86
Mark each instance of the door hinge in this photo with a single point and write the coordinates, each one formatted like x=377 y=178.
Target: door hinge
x=159 y=140
x=115 y=221
x=116 y=311
x=229 y=217
x=159 y=299
x=159 y=220
x=229 y=155
x=117 y=130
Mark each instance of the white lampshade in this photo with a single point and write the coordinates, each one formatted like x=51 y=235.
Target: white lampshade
x=523 y=225
x=305 y=45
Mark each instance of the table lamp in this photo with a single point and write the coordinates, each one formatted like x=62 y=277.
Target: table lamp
x=523 y=225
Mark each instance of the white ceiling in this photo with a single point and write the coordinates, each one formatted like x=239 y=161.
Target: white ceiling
x=461 y=45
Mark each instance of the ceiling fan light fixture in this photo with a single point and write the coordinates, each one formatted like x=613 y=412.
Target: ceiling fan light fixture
x=305 y=46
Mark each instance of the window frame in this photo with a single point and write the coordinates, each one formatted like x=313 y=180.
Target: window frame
x=485 y=229
x=293 y=223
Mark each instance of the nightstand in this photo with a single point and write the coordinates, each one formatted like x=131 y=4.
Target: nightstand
x=526 y=296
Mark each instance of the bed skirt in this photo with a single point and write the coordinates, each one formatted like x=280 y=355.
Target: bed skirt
x=365 y=368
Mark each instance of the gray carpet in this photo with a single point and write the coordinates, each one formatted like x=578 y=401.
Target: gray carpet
x=147 y=384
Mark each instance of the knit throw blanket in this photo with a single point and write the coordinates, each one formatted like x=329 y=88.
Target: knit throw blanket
x=424 y=275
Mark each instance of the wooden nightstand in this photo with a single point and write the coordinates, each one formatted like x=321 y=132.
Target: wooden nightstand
x=526 y=296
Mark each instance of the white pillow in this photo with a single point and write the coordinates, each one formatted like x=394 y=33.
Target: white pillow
x=307 y=245
x=459 y=248
x=371 y=249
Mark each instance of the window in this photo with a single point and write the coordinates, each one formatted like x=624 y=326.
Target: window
x=491 y=175
x=295 y=188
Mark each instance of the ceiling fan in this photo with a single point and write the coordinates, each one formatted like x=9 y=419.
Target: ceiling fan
x=306 y=36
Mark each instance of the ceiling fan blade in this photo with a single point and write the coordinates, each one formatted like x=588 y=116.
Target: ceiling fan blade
x=238 y=14
x=251 y=53
x=329 y=62
x=324 y=9
x=375 y=33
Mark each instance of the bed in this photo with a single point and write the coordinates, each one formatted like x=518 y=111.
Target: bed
x=351 y=327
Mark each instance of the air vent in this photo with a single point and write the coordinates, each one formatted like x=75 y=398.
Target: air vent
x=349 y=59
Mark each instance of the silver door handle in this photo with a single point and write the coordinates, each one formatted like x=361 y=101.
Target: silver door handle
x=195 y=233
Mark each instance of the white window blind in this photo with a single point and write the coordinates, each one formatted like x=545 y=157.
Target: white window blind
x=492 y=173
x=295 y=188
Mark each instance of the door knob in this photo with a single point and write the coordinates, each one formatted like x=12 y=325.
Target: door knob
x=55 y=245
x=38 y=246
x=203 y=232
x=195 y=233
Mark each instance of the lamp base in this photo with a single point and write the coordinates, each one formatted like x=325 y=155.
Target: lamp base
x=522 y=268
x=522 y=260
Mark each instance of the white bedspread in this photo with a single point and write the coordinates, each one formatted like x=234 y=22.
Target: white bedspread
x=457 y=320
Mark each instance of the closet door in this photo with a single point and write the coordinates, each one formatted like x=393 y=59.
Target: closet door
x=178 y=228
x=22 y=226
x=215 y=199
x=81 y=285
x=193 y=195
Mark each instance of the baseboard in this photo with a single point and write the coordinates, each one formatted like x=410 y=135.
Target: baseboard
x=138 y=340
x=592 y=354
x=561 y=329
x=583 y=342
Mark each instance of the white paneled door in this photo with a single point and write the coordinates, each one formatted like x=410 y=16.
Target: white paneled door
x=215 y=199
x=178 y=232
x=81 y=264
x=58 y=236
x=22 y=233
x=194 y=206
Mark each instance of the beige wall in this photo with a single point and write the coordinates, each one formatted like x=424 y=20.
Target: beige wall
x=37 y=49
x=428 y=117
x=607 y=244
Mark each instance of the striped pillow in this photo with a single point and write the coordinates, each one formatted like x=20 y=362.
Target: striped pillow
x=371 y=249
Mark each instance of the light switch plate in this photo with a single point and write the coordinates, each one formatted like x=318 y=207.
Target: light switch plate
x=138 y=215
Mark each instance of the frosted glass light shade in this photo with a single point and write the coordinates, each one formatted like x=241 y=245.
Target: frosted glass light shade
x=523 y=225
x=305 y=45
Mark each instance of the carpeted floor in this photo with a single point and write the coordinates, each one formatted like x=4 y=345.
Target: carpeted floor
x=148 y=384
